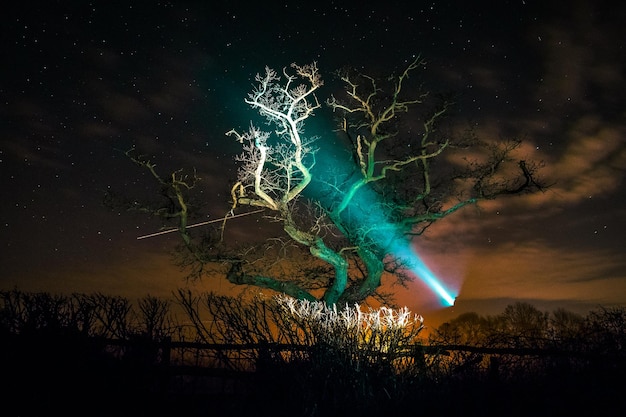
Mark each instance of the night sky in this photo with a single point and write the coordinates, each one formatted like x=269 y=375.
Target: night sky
x=80 y=81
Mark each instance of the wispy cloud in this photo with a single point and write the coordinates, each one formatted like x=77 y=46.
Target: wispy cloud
x=535 y=270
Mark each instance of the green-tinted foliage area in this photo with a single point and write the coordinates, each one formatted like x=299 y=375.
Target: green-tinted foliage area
x=99 y=355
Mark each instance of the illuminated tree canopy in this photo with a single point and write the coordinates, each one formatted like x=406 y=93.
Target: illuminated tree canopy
x=350 y=199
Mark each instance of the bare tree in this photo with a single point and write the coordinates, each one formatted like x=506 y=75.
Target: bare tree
x=350 y=201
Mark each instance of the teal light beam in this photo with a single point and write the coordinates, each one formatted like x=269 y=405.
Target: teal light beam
x=365 y=212
x=422 y=271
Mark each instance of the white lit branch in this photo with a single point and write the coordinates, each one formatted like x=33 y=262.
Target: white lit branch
x=277 y=172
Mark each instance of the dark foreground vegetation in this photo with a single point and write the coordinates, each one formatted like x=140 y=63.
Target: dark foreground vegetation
x=95 y=355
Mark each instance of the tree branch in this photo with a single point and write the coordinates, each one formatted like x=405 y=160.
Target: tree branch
x=237 y=276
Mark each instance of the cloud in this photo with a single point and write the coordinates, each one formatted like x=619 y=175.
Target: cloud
x=573 y=122
x=534 y=270
x=592 y=161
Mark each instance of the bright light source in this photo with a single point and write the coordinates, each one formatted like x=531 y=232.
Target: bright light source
x=422 y=271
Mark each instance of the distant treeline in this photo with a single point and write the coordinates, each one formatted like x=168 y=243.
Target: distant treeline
x=211 y=318
x=272 y=360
